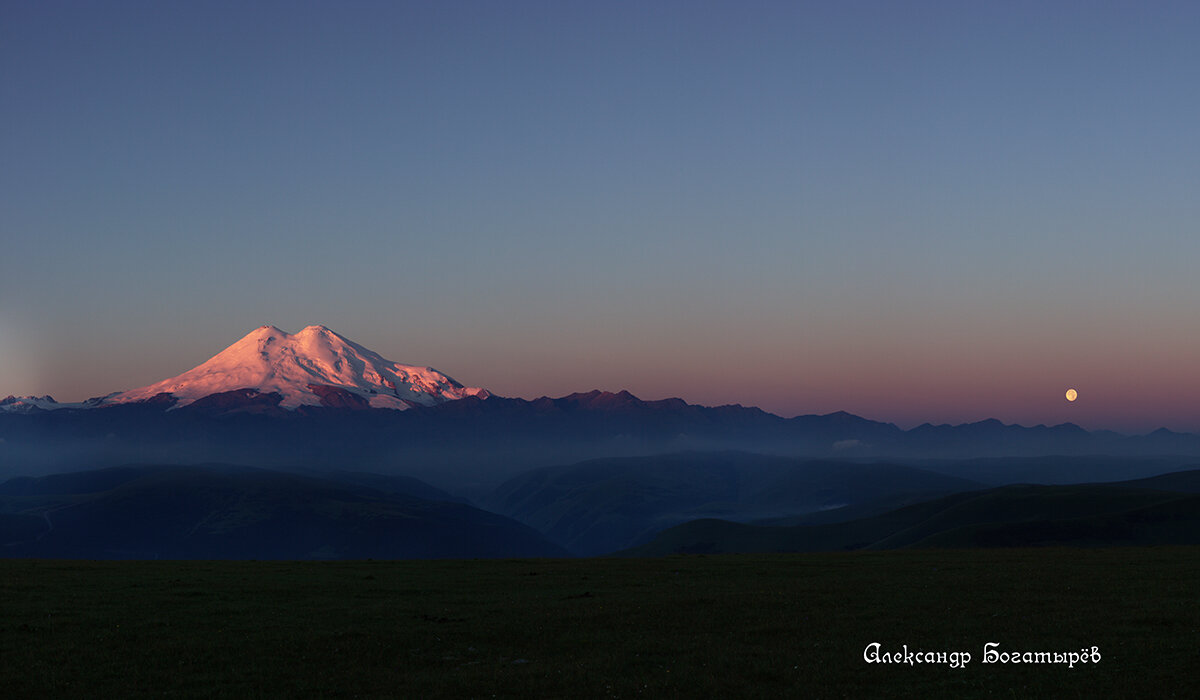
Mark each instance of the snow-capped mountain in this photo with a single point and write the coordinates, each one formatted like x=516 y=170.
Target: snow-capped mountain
x=314 y=367
x=26 y=404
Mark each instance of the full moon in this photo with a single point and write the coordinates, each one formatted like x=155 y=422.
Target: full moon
x=1072 y=394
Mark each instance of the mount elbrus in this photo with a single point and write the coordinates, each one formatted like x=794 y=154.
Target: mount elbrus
x=315 y=367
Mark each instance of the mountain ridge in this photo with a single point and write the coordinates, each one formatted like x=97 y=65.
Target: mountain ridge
x=317 y=399
x=224 y=511
x=319 y=367
x=1159 y=510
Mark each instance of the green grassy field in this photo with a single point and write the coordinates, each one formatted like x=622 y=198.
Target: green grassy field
x=750 y=625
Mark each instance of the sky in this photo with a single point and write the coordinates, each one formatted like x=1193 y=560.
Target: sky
x=912 y=211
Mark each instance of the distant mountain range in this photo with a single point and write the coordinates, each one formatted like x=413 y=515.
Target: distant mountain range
x=319 y=400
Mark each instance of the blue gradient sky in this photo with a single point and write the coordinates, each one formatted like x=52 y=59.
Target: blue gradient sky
x=910 y=211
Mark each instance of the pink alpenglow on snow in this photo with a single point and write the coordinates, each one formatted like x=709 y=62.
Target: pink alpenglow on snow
x=270 y=360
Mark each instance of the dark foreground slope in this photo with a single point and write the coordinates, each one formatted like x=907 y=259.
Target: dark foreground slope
x=1159 y=511
x=686 y=627
x=222 y=512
